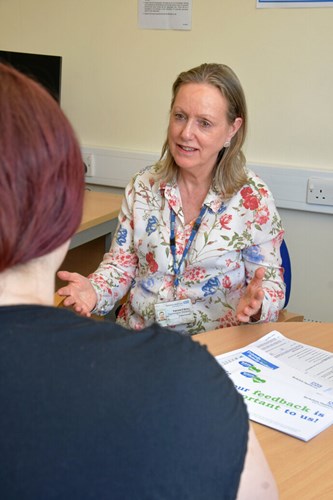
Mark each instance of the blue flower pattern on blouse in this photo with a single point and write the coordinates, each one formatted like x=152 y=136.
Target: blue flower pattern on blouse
x=147 y=284
x=253 y=254
x=152 y=225
x=121 y=236
x=211 y=286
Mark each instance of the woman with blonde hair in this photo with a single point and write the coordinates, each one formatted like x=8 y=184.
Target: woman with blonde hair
x=199 y=235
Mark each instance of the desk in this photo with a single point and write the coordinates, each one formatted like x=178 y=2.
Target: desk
x=93 y=238
x=100 y=211
x=302 y=470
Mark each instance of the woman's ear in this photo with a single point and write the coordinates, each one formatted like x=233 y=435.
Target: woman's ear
x=235 y=127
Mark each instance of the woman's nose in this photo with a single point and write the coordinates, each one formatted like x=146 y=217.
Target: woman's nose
x=187 y=130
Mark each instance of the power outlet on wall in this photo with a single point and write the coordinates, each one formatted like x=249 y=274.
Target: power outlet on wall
x=320 y=191
x=89 y=164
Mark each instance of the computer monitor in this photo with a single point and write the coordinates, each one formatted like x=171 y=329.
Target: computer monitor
x=46 y=69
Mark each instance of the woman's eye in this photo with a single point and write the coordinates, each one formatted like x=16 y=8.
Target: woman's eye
x=205 y=124
x=179 y=116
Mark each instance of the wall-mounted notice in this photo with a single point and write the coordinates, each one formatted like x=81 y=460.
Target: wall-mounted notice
x=165 y=15
x=293 y=3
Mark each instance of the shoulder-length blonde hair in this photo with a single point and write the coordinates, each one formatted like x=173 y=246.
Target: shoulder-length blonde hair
x=230 y=174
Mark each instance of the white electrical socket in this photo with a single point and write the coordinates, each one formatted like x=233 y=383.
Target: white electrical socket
x=90 y=164
x=320 y=191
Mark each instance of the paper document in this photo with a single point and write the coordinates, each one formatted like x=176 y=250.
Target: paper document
x=286 y=385
x=306 y=358
x=167 y=15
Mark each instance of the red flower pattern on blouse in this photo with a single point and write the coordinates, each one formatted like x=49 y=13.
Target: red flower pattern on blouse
x=228 y=320
x=250 y=200
x=124 y=258
x=263 y=192
x=152 y=264
x=224 y=221
x=194 y=274
x=246 y=191
x=226 y=282
x=262 y=216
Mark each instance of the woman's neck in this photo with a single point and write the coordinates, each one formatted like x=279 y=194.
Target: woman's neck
x=194 y=183
x=193 y=192
x=33 y=282
x=26 y=284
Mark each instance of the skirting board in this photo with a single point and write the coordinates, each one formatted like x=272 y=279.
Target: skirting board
x=113 y=167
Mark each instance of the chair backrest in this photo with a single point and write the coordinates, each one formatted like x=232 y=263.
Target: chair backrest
x=286 y=264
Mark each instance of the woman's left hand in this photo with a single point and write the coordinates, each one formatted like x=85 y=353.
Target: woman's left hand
x=250 y=304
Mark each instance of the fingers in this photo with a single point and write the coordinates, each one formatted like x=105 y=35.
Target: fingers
x=251 y=302
x=73 y=299
x=254 y=290
x=76 y=283
x=243 y=318
x=256 y=298
x=69 y=300
x=258 y=276
x=254 y=303
x=65 y=290
x=249 y=310
x=66 y=275
x=78 y=306
x=247 y=313
x=82 y=310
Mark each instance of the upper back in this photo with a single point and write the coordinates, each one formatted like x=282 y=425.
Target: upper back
x=91 y=410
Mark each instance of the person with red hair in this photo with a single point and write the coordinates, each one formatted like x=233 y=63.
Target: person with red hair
x=90 y=410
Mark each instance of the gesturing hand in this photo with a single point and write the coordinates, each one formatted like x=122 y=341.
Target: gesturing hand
x=79 y=292
x=251 y=302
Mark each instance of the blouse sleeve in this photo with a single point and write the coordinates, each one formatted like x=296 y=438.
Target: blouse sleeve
x=266 y=236
x=116 y=272
x=273 y=284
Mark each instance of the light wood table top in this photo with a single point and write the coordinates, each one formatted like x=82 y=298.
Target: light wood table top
x=302 y=470
x=99 y=207
x=94 y=235
x=100 y=211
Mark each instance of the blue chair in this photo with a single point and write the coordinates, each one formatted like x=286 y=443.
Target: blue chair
x=285 y=315
x=286 y=264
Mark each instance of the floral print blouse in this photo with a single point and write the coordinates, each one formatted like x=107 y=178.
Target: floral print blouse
x=235 y=237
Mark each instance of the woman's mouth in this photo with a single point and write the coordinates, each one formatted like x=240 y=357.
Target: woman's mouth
x=187 y=149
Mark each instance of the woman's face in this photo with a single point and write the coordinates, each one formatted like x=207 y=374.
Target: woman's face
x=198 y=127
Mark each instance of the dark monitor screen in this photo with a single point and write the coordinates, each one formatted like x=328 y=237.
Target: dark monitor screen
x=45 y=69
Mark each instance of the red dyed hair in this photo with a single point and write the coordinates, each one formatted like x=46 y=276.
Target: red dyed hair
x=41 y=171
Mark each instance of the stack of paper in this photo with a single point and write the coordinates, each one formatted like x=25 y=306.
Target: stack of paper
x=286 y=385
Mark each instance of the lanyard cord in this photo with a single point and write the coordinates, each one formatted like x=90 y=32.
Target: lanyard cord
x=195 y=228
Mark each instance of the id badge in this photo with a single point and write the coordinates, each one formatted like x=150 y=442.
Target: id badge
x=174 y=313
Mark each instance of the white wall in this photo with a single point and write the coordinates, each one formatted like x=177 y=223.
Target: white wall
x=309 y=237
x=117 y=80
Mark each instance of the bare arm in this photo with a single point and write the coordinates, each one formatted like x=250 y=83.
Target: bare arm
x=257 y=481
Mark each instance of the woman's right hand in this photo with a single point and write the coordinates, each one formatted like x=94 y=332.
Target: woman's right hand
x=79 y=293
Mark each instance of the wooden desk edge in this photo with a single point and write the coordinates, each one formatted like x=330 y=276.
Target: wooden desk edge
x=110 y=205
x=229 y=339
